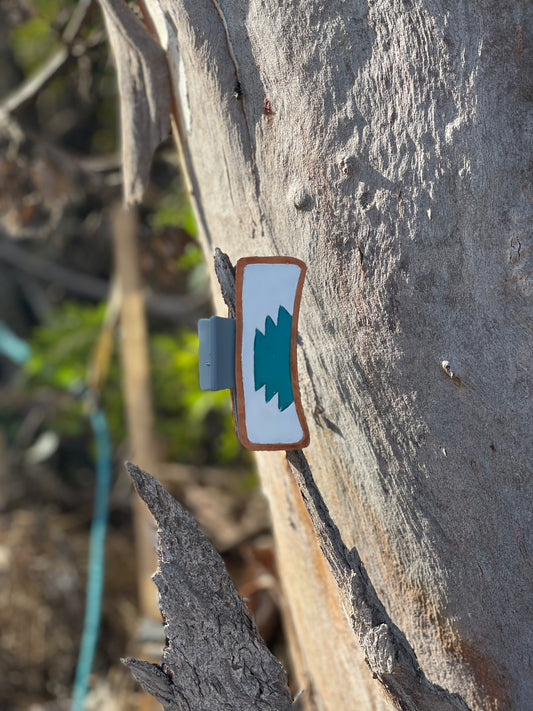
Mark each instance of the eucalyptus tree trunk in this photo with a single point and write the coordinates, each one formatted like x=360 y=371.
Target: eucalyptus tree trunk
x=387 y=144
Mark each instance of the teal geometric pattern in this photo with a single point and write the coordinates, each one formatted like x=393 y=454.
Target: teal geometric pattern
x=272 y=359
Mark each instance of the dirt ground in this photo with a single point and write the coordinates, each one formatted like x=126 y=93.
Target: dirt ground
x=44 y=527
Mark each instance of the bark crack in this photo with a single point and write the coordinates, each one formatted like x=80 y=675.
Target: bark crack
x=241 y=97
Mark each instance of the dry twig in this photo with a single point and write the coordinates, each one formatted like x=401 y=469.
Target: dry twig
x=29 y=88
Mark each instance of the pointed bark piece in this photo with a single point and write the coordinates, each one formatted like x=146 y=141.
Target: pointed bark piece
x=214 y=657
x=154 y=680
x=225 y=272
x=145 y=96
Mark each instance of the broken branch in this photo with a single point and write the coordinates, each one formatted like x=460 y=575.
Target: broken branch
x=214 y=657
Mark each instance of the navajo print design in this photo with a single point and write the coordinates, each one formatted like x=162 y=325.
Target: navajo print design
x=272 y=359
x=267 y=403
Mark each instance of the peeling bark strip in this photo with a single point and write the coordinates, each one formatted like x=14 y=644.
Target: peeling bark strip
x=145 y=95
x=214 y=657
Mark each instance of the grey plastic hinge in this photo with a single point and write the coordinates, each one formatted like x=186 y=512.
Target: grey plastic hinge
x=216 y=337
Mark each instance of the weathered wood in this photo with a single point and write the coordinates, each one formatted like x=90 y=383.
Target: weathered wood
x=145 y=92
x=214 y=657
x=388 y=145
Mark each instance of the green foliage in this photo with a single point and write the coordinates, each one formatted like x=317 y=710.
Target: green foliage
x=80 y=103
x=191 y=258
x=59 y=361
x=60 y=350
x=32 y=42
x=196 y=426
x=173 y=210
x=50 y=9
x=77 y=110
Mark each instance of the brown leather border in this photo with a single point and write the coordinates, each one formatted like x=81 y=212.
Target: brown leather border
x=241 y=414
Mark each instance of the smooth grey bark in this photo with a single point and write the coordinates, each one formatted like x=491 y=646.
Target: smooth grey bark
x=388 y=144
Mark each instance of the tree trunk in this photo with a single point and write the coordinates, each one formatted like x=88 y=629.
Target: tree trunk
x=386 y=144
